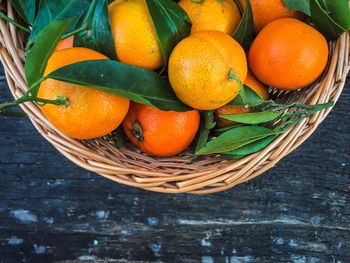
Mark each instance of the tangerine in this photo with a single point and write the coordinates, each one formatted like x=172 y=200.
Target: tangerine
x=65 y=43
x=90 y=113
x=254 y=84
x=260 y=88
x=160 y=133
x=135 y=37
x=204 y=67
x=288 y=54
x=221 y=15
x=267 y=11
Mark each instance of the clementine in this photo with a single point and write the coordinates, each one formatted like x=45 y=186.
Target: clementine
x=203 y=69
x=260 y=88
x=228 y=110
x=266 y=11
x=65 y=43
x=90 y=113
x=252 y=83
x=221 y=15
x=288 y=54
x=160 y=133
x=135 y=38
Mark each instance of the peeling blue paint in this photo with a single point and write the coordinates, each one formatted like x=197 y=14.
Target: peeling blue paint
x=153 y=221
x=13 y=240
x=38 y=249
x=24 y=216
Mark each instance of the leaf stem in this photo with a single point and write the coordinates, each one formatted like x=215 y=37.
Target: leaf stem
x=89 y=15
x=233 y=76
x=34 y=86
x=86 y=24
x=5 y=17
x=60 y=100
x=78 y=30
x=6 y=105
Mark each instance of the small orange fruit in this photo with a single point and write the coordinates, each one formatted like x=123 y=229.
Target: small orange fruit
x=228 y=110
x=260 y=88
x=135 y=38
x=202 y=69
x=90 y=113
x=252 y=83
x=266 y=11
x=223 y=15
x=65 y=43
x=160 y=133
x=288 y=54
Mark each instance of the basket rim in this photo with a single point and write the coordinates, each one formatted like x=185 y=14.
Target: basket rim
x=176 y=174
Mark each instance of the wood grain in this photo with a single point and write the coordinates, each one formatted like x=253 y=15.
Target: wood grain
x=52 y=210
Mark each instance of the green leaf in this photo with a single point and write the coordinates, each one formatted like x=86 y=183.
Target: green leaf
x=299 y=5
x=207 y=124
x=245 y=29
x=339 y=11
x=324 y=17
x=253 y=99
x=26 y=9
x=250 y=148
x=99 y=36
x=138 y=84
x=50 y=11
x=318 y=107
x=253 y=117
x=41 y=51
x=171 y=23
x=224 y=129
x=236 y=138
x=306 y=110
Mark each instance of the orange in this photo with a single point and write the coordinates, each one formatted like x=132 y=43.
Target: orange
x=65 y=43
x=135 y=38
x=202 y=68
x=223 y=15
x=252 y=83
x=160 y=133
x=90 y=113
x=266 y=11
x=288 y=54
x=228 y=110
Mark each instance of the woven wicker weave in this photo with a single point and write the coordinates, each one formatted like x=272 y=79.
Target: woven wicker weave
x=209 y=174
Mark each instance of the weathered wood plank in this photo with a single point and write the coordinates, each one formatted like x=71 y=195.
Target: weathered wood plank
x=52 y=210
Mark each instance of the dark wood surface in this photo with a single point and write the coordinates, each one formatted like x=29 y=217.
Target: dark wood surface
x=52 y=210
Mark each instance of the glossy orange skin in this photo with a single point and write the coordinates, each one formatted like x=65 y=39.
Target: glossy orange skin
x=163 y=133
x=288 y=54
x=222 y=15
x=135 y=37
x=65 y=43
x=90 y=113
x=267 y=11
x=253 y=83
x=200 y=66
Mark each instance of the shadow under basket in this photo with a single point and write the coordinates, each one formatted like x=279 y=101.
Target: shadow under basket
x=178 y=174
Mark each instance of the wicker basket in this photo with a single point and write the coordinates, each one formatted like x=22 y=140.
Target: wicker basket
x=178 y=174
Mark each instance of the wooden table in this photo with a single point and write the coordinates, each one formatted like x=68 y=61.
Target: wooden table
x=52 y=210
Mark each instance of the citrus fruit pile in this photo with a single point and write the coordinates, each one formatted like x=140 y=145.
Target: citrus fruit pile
x=171 y=75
